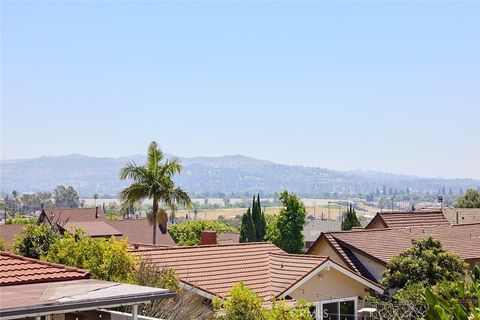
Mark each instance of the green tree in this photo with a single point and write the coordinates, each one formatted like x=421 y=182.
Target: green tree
x=350 y=219
x=35 y=241
x=471 y=199
x=188 y=233
x=290 y=224
x=154 y=181
x=66 y=197
x=258 y=218
x=426 y=262
x=107 y=259
x=460 y=305
x=243 y=304
x=247 y=230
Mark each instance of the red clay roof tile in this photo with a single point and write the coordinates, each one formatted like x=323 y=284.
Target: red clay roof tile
x=16 y=270
x=263 y=267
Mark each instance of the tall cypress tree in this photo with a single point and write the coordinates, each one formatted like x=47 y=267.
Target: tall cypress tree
x=247 y=230
x=350 y=220
x=258 y=219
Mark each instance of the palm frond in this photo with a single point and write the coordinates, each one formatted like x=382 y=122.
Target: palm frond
x=171 y=167
x=178 y=196
x=134 y=193
x=134 y=172
x=154 y=157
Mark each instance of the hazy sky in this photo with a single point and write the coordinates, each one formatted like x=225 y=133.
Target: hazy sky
x=391 y=86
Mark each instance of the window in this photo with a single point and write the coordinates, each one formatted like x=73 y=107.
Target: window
x=338 y=309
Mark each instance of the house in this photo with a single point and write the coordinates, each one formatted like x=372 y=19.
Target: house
x=400 y=219
x=94 y=223
x=8 y=232
x=211 y=270
x=313 y=228
x=368 y=251
x=139 y=231
x=462 y=215
x=71 y=215
x=33 y=288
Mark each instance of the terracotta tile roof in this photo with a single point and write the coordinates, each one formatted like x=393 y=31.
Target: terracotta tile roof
x=400 y=219
x=139 y=231
x=69 y=215
x=93 y=228
x=263 y=267
x=15 y=270
x=9 y=231
x=464 y=215
x=383 y=244
x=228 y=237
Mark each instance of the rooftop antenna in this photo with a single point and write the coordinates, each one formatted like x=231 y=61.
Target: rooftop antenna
x=440 y=199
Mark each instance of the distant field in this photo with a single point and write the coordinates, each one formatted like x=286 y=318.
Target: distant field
x=321 y=208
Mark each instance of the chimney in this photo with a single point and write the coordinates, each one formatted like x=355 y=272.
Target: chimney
x=208 y=237
x=96 y=212
x=162 y=222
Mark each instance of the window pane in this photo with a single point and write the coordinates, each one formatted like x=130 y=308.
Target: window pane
x=347 y=310
x=330 y=311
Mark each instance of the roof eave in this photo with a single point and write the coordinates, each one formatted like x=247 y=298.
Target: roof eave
x=91 y=304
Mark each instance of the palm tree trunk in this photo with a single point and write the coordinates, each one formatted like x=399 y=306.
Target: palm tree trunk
x=154 y=218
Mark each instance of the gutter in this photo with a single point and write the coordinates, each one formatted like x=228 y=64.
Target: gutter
x=85 y=305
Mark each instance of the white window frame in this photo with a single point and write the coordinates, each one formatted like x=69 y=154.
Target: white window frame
x=319 y=306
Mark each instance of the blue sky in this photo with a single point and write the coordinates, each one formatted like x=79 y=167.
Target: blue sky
x=390 y=86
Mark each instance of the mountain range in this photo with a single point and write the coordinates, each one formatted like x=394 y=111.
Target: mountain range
x=204 y=176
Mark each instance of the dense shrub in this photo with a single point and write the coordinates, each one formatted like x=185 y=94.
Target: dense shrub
x=188 y=233
x=107 y=259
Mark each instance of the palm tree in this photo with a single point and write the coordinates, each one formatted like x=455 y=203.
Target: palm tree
x=154 y=181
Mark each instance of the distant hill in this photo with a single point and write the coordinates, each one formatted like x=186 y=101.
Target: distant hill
x=201 y=175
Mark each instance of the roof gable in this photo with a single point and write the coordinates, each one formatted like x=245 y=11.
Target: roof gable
x=401 y=219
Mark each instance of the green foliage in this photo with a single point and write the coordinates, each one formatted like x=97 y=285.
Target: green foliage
x=350 y=219
x=188 y=233
x=34 y=201
x=107 y=259
x=272 y=233
x=150 y=275
x=471 y=199
x=66 y=197
x=247 y=230
x=3 y=245
x=289 y=224
x=243 y=304
x=425 y=262
x=154 y=181
x=112 y=217
x=35 y=241
x=459 y=306
x=258 y=218
x=20 y=221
